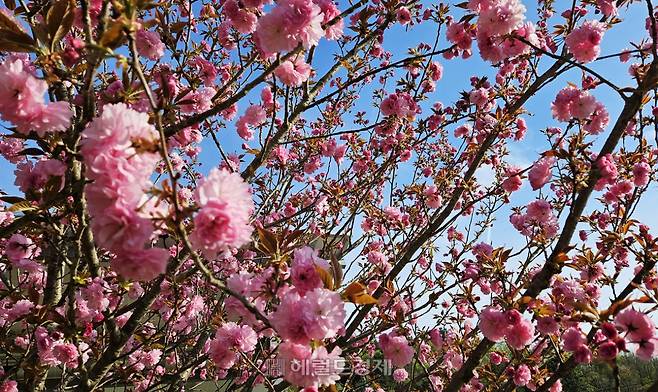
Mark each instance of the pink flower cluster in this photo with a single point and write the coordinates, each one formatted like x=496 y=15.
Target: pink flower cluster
x=432 y=197
x=396 y=348
x=513 y=181
x=205 y=69
x=641 y=173
x=318 y=314
x=636 y=327
x=230 y=340
x=496 y=49
x=34 y=177
x=291 y=22
x=10 y=149
x=540 y=173
x=9 y=386
x=331 y=149
x=53 y=351
x=309 y=368
x=22 y=101
x=249 y=286
x=574 y=341
x=242 y=19
x=461 y=34
x=640 y=330
x=330 y=12
x=293 y=73
x=538 y=219
x=149 y=44
x=617 y=191
x=222 y=222
x=198 y=101
x=497 y=325
x=254 y=116
x=608 y=171
x=11 y=312
x=572 y=102
x=522 y=375
x=400 y=104
x=497 y=19
x=20 y=247
x=117 y=153
x=91 y=301
x=584 y=41
x=304 y=274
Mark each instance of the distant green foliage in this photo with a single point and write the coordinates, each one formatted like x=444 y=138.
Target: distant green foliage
x=635 y=376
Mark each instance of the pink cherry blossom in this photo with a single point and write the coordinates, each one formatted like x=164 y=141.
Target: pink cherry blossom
x=318 y=315
x=520 y=334
x=400 y=375
x=583 y=354
x=396 y=349
x=329 y=12
x=141 y=264
x=206 y=70
x=304 y=274
x=584 y=41
x=120 y=227
x=149 y=44
x=22 y=102
x=499 y=17
x=241 y=19
x=66 y=353
x=433 y=199
x=293 y=74
x=33 y=178
x=608 y=350
x=522 y=375
x=637 y=324
x=435 y=71
x=598 y=121
x=254 y=116
x=607 y=7
x=573 y=339
x=223 y=220
x=403 y=15
x=571 y=102
x=198 y=101
x=479 y=97
x=230 y=340
x=460 y=34
x=493 y=324
x=327 y=311
x=291 y=22
x=547 y=325
x=10 y=149
x=641 y=172
x=400 y=105
x=19 y=247
x=512 y=183
x=540 y=174
x=647 y=349
x=310 y=368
